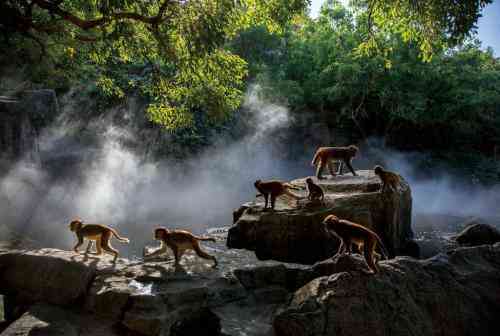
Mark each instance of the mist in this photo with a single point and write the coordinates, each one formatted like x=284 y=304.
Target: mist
x=111 y=184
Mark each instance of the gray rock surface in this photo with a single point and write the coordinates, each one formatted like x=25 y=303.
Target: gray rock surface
x=292 y=232
x=450 y=294
x=478 y=234
x=48 y=320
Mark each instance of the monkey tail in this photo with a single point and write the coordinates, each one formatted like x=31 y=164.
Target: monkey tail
x=290 y=186
x=205 y=238
x=385 y=254
x=315 y=159
x=120 y=238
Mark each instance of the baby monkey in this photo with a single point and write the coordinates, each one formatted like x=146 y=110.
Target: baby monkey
x=180 y=241
x=99 y=233
x=315 y=191
x=390 y=180
x=352 y=233
x=274 y=189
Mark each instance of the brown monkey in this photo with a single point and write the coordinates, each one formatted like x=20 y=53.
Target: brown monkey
x=389 y=179
x=325 y=155
x=275 y=189
x=180 y=241
x=315 y=191
x=95 y=232
x=352 y=233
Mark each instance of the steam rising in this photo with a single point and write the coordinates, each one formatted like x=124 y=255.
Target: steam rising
x=111 y=184
x=108 y=183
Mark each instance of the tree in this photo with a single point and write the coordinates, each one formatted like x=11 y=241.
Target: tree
x=429 y=23
x=180 y=43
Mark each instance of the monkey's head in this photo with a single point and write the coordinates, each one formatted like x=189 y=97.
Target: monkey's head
x=330 y=221
x=257 y=183
x=161 y=233
x=75 y=225
x=378 y=170
x=309 y=180
x=353 y=150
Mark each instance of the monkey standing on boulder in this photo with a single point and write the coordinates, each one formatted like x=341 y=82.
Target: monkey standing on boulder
x=390 y=180
x=99 y=233
x=352 y=233
x=274 y=189
x=324 y=156
x=180 y=241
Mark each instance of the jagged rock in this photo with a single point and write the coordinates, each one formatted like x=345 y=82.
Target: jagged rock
x=45 y=275
x=293 y=233
x=478 y=234
x=451 y=294
x=22 y=120
x=201 y=323
x=48 y=320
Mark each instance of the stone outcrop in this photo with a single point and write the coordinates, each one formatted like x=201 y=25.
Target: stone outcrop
x=478 y=234
x=457 y=293
x=21 y=120
x=141 y=298
x=292 y=233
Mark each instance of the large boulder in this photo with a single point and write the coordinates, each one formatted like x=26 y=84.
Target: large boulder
x=45 y=275
x=292 y=233
x=450 y=294
x=478 y=234
x=49 y=320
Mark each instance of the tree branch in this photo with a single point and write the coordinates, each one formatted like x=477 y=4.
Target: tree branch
x=54 y=8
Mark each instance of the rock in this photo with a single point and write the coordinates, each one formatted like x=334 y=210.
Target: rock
x=294 y=234
x=478 y=234
x=22 y=120
x=201 y=323
x=48 y=320
x=451 y=294
x=45 y=275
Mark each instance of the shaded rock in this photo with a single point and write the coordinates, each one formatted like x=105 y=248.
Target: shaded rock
x=201 y=323
x=478 y=234
x=21 y=121
x=451 y=294
x=293 y=233
x=47 y=320
x=45 y=275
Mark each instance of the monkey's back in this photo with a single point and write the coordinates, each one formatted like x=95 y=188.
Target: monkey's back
x=345 y=228
x=272 y=186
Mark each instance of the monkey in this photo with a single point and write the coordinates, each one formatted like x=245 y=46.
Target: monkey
x=179 y=241
x=351 y=233
x=315 y=191
x=390 y=180
x=274 y=189
x=325 y=155
x=95 y=232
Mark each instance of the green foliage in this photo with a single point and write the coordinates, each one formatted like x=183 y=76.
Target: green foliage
x=393 y=94
x=181 y=44
x=430 y=24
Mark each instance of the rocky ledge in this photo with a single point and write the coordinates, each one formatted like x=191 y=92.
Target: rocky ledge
x=54 y=292
x=291 y=232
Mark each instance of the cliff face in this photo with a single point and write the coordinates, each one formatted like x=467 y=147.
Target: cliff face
x=292 y=233
x=21 y=120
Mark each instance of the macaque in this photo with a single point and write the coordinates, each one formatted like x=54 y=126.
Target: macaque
x=274 y=189
x=389 y=179
x=180 y=241
x=99 y=233
x=351 y=233
x=325 y=155
x=315 y=191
